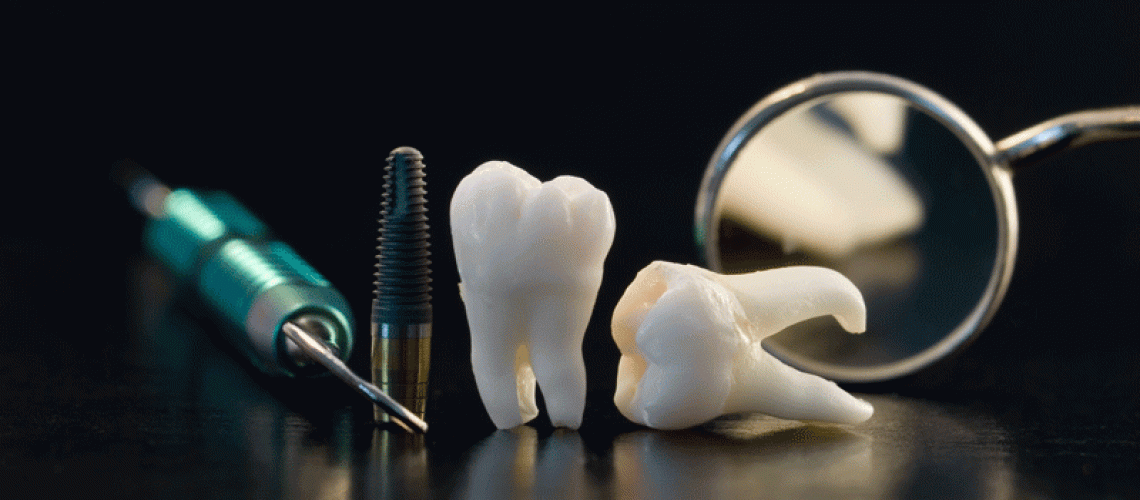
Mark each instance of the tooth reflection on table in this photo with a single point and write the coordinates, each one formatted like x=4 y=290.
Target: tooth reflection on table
x=740 y=457
x=283 y=450
x=516 y=463
x=910 y=449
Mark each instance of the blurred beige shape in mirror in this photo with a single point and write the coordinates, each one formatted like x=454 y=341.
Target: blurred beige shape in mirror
x=882 y=270
x=878 y=120
x=816 y=188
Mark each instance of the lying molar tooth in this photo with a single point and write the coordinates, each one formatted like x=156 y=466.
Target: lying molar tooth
x=530 y=263
x=690 y=345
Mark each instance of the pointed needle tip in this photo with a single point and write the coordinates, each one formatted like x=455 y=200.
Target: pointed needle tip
x=321 y=354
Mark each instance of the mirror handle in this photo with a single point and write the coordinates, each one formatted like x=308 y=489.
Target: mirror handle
x=1073 y=130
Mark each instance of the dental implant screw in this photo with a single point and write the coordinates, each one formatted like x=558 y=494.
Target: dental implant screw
x=401 y=308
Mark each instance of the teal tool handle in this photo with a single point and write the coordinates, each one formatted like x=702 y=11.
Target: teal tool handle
x=253 y=283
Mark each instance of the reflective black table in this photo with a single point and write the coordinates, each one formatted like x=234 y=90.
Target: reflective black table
x=160 y=408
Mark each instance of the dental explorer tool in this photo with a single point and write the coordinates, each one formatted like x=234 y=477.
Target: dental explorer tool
x=283 y=314
x=401 y=309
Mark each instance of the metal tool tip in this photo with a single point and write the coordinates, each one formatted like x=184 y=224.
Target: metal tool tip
x=319 y=352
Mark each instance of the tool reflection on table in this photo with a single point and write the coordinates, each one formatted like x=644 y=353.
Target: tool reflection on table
x=284 y=314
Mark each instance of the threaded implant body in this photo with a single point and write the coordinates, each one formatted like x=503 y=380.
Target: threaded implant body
x=401 y=308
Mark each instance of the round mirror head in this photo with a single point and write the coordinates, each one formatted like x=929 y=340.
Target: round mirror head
x=885 y=182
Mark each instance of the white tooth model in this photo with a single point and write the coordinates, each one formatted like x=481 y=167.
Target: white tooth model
x=690 y=344
x=530 y=263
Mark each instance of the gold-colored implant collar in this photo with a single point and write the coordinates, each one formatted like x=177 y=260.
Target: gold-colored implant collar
x=400 y=365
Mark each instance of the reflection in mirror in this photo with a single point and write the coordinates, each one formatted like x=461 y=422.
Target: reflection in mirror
x=868 y=185
x=822 y=183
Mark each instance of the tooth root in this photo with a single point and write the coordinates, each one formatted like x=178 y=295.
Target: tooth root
x=778 y=298
x=500 y=358
x=524 y=386
x=506 y=385
x=557 y=327
x=773 y=300
x=765 y=385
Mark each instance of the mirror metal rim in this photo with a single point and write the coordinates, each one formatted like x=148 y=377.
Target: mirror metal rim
x=994 y=168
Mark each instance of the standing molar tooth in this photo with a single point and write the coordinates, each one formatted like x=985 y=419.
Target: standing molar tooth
x=530 y=264
x=690 y=345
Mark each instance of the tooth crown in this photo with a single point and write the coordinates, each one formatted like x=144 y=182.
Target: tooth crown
x=690 y=344
x=551 y=233
x=530 y=258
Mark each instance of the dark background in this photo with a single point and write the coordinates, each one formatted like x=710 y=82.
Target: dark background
x=294 y=111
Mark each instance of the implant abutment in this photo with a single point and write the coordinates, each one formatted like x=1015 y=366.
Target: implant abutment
x=401 y=356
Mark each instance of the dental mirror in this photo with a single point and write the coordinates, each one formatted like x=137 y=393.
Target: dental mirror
x=895 y=187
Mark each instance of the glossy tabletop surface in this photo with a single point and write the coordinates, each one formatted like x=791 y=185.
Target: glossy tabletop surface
x=162 y=408
x=112 y=387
